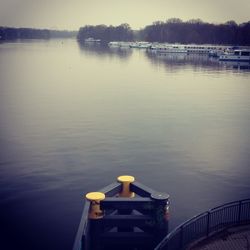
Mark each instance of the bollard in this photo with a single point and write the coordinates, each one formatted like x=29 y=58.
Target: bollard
x=95 y=198
x=126 y=180
x=160 y=214
x=126 y=193
x=95 y=216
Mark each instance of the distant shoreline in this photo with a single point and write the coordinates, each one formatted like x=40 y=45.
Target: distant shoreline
x=10 y=34
x=172 y=31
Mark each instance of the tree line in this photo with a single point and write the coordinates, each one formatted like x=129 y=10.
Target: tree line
x=8 y=33
x=173 y=30
x=122 y=32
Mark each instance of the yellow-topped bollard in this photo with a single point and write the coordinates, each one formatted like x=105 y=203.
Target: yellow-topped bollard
x=95 y=211
x=126 y=180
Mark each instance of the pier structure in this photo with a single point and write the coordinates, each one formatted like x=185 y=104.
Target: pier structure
x=124 y=215
x=128 y=215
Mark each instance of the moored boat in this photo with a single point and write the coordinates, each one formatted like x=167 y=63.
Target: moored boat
x=119 y=44
x=114 y=44
x=168 y=49
x=241 y=55
x=212 y=50
x=140 y=45
x=92 y=40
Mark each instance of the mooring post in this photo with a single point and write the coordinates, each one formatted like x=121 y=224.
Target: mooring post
x=126 y=180
x=95 y=216
x=160 y=214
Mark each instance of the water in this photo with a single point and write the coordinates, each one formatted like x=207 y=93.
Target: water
x=74 y=118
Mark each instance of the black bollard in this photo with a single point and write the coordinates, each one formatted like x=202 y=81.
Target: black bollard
x=160 y=215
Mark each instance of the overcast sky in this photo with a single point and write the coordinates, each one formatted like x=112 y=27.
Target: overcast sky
x=72 y=14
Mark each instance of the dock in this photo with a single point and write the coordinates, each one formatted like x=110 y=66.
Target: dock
x=124 y=215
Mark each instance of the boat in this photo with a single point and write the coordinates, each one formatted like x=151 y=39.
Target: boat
x=162 y=48
x=92 y=40
x=114 y=44
x=212 y=50
x=140 y=45
x=241 y=55
x=119 y=44
x=216 y=53
x=125 y=44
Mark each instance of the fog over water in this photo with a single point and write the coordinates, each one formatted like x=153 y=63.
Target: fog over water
x=73 y=118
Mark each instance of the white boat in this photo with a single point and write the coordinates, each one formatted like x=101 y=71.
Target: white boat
x=125 y=44
x=216 y=53
x=189 y=49
x=205 y=49
x=92 y=40
x=241 y=55
x=119 y=44
x=114 y=44
x=168 y=48
x=140 y=45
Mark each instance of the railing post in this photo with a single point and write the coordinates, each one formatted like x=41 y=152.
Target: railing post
x=160 y=214
x=181 y=238
x=95 y=216
x=239 y=215
x=208 y=223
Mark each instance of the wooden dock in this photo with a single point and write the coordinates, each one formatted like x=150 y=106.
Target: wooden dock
x=124 y=215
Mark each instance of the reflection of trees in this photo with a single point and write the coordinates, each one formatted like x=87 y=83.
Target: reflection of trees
x=102 y=50
x=175 y=62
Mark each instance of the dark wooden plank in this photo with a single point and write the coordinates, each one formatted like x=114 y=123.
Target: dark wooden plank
x=141 y=189
x=112 y=189
x=127 y=238
x=127 y=220
x=126 y=203
x=82 y=233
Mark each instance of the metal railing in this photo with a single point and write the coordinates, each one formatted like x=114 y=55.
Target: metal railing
x=206 y=224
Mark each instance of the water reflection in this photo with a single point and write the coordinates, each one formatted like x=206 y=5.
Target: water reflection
x=174 y=62
x=237 y=65
x=103 y=50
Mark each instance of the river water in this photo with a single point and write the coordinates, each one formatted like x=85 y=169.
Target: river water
x=73 y=118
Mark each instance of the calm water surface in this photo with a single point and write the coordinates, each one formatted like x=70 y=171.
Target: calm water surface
x=74 y=118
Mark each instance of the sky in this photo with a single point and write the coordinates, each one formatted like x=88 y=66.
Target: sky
x=72 y=14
